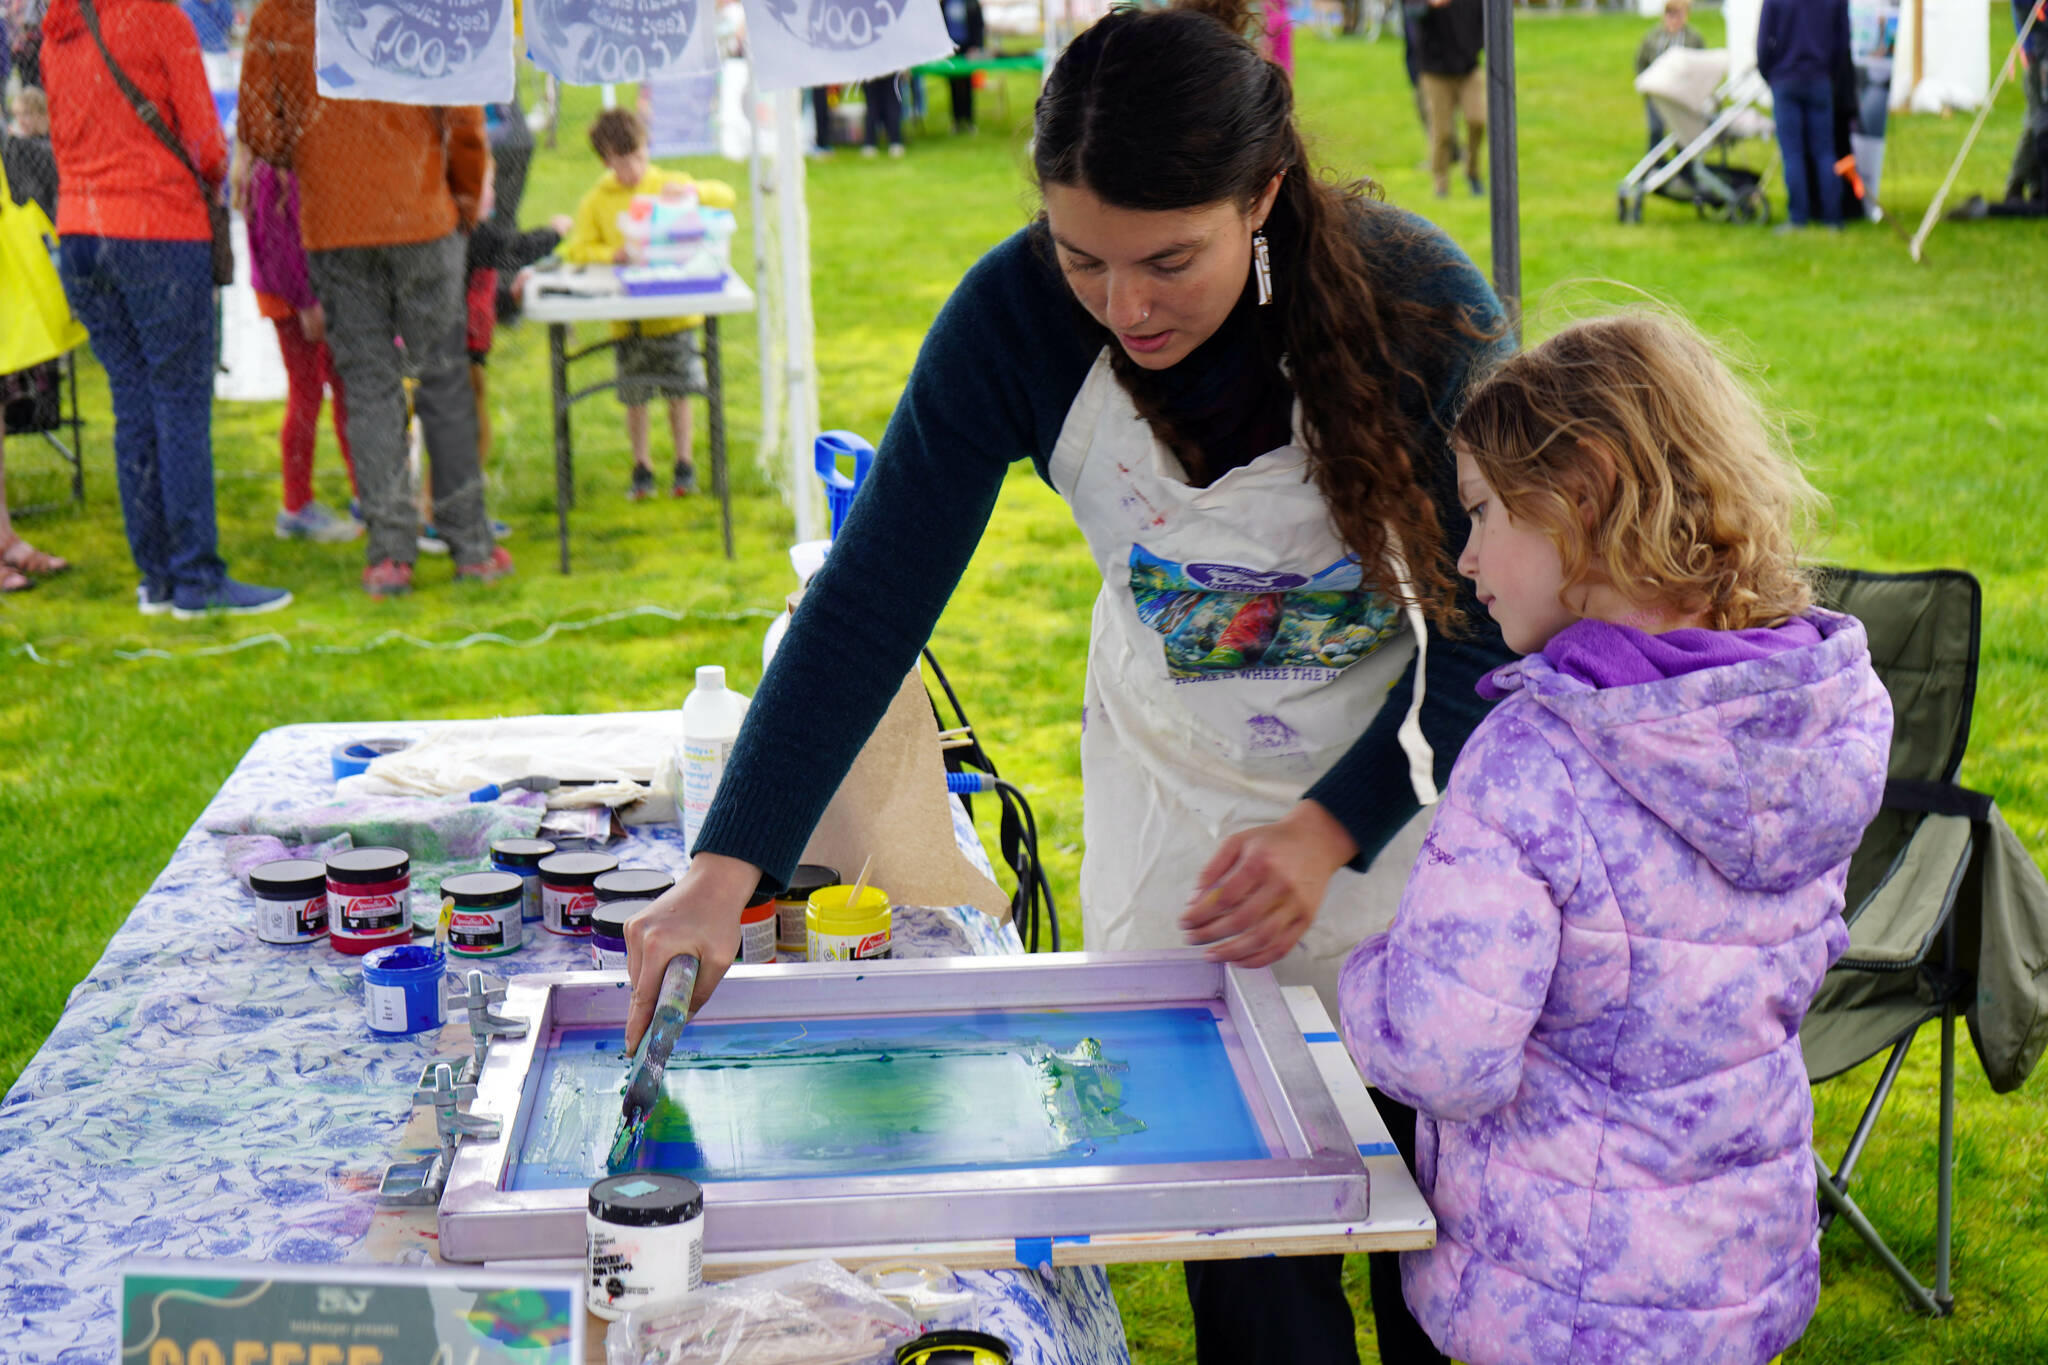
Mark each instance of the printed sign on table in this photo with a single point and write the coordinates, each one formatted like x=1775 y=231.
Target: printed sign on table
x=591 y=42
x=414 y=51
x=799 y=43
x=193 y=1312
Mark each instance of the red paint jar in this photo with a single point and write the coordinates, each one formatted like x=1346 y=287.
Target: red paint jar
x=369 y=899
x=757 y=925
x=568 y=890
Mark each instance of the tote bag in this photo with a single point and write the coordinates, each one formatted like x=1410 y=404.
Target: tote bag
x=36 y=325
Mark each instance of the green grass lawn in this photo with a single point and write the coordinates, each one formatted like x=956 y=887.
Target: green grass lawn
x=1916 y=391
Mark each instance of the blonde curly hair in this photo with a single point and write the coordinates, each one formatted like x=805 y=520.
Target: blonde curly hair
x=1630 y=442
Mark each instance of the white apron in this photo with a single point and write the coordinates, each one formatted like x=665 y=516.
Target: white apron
x=1233 y=660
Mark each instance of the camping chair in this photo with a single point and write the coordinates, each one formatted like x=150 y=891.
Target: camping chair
x=42 y=401
x=1936 y=905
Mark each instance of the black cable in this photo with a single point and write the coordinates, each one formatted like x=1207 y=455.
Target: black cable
x=1017 y=827
x=1034 y=889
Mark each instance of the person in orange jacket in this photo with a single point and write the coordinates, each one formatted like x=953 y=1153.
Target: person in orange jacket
x=385 y=193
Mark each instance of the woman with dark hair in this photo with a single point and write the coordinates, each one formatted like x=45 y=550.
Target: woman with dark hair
x=1239 y=376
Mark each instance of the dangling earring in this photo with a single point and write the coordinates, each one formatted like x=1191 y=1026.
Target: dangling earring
x=1262 y=266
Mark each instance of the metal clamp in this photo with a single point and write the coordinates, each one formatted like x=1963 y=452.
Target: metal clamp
x=474 y=993
x=420 y=1182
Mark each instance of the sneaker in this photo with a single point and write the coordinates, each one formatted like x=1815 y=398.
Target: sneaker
x=643 y=484
x=1478 y=185
x=685 y=480
x=895 y=149
x=869 y=150
x=387 y=578
x=153 y=598
x=490 y=571
x=314 y=522
x=227 y=598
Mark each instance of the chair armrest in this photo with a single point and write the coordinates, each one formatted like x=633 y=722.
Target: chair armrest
x=1895 y=925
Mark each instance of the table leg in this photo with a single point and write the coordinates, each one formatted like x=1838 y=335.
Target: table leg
x=715 y=381
x=565 y=480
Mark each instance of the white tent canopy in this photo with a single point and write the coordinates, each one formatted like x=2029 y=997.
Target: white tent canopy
x=1943 y=59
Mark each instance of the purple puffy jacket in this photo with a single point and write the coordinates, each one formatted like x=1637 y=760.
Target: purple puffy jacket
x=1593 y=992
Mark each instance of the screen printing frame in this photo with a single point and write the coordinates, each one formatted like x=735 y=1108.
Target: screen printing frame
x=1318 y=1177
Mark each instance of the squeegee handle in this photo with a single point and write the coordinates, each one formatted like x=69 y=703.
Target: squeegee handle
x=671 y=1012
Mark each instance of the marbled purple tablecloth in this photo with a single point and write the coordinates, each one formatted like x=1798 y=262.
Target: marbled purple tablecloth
x=208 y=1095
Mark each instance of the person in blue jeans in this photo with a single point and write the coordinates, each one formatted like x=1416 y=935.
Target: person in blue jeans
x=1797 y=44
x=135 y=256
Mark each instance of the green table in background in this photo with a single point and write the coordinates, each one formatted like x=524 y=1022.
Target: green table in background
x=967 y=66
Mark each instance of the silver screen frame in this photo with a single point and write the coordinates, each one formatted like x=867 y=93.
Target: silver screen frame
x=1317 y=1176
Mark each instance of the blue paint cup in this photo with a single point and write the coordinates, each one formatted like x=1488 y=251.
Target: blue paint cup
x=402 y=989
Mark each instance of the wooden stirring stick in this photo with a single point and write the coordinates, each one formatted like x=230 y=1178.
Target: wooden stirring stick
x=860 y=884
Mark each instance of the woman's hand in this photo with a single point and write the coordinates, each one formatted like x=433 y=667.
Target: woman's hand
x=699 y=915
x=1260 y=892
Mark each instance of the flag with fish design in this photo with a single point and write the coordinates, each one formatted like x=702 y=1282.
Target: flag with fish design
x=798 y=43
x=414 y=51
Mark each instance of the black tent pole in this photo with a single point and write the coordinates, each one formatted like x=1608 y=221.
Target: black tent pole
x=1501 y=140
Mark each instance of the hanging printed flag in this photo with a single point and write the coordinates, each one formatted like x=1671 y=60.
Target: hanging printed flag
x=414 y=51
x=798 y=43
x=592 y=42
x=682 y=114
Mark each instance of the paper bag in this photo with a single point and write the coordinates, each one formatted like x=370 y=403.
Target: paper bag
x=893 y=805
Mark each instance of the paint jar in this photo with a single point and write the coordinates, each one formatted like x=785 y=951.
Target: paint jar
x=757 y=925
x=291 y=900
x=568 y=890
x=954 y=1348
x=608 y=933
x=790 y=934
x=835 y=932
x=483 y=912
x=369 y=899
x=402 y=988
x=632 y=884
x=521 y=858
x=646 y=1240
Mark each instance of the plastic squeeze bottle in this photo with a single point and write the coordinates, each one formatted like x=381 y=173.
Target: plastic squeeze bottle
x=711 y=722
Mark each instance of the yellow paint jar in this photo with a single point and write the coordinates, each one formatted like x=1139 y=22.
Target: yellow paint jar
x=837 y=932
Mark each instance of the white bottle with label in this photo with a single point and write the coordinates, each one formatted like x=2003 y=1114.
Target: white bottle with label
x=711 y=722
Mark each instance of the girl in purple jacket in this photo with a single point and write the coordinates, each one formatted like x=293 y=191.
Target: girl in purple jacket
x=1592 y=991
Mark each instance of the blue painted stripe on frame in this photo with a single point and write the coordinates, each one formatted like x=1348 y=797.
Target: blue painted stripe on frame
x=1378 y=1149
x=1327 y=1036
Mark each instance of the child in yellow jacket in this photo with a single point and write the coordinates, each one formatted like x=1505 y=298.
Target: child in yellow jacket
x=655 y=356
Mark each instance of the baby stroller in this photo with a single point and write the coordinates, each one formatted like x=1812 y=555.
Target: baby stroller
x=1705 y=112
